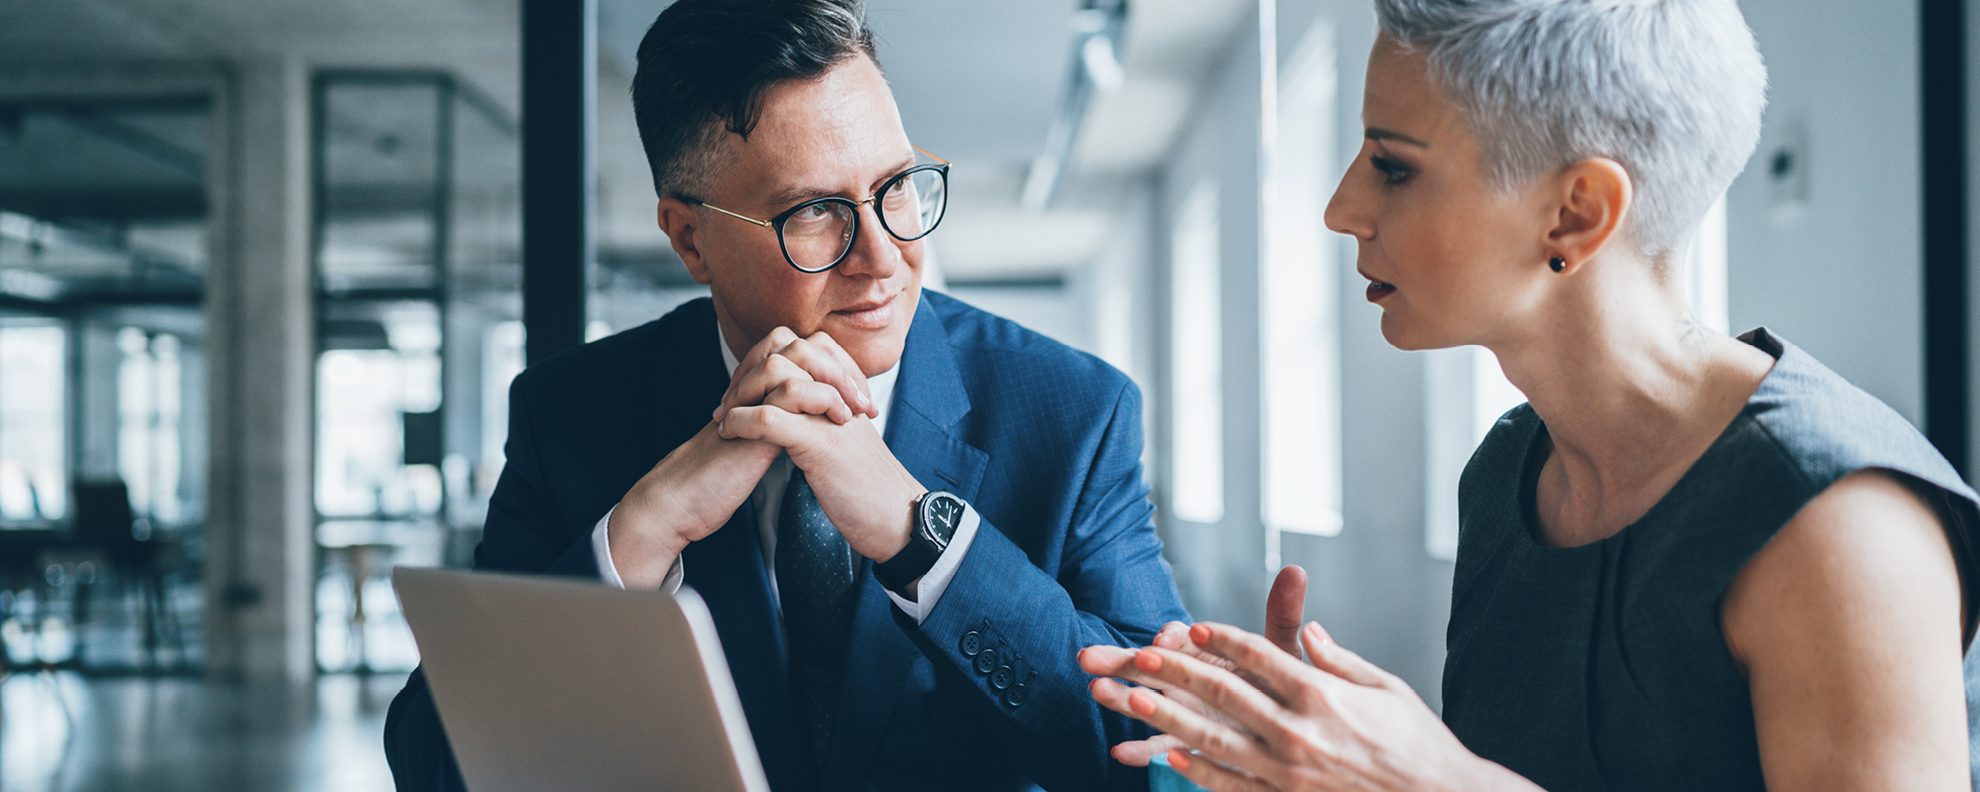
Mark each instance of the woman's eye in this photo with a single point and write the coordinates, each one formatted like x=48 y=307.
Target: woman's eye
x=1393 y=172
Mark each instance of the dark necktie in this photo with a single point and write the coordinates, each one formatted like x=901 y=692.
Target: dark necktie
x=815 y=570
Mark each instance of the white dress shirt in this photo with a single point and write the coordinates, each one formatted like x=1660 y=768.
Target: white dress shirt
x=769 y=496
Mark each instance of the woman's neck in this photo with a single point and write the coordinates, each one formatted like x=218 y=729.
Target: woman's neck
x=1631 y=397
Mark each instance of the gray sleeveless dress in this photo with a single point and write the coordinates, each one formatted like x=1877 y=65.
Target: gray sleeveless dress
x=1603 y=666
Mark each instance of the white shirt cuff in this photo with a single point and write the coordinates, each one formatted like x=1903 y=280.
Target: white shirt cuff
x=929 y=590
x=601 y=546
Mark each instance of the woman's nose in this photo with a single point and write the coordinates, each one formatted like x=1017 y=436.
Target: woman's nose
x=1345 y=211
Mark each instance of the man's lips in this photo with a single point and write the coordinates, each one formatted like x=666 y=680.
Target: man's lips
x=871 y=314
x=869 y=304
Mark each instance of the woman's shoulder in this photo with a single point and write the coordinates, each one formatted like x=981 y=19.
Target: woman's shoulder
x=1824 y=427
x=1501 y=458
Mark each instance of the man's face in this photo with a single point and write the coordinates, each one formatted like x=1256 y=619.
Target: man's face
x=837 y=134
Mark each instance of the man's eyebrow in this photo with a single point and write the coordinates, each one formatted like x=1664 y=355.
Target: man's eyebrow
x=795 y=194
x=1378 y=133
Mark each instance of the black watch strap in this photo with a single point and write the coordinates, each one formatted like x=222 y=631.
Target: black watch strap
x=908 y=565
x=922 y=550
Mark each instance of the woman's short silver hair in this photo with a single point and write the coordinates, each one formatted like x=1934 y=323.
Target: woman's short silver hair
x=1671 y=89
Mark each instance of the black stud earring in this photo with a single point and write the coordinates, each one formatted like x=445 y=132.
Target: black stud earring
x=1557 y=264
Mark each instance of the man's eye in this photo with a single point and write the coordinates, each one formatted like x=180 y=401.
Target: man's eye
x=813 y=214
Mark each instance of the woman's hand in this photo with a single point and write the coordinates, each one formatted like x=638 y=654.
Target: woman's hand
x=1340 y=723
x=1284 y=609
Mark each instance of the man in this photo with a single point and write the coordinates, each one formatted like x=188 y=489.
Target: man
x=899 y=613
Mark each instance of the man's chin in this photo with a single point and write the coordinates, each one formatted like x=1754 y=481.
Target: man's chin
x=875 y=352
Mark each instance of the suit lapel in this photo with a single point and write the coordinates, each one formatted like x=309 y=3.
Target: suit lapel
x=929 y=402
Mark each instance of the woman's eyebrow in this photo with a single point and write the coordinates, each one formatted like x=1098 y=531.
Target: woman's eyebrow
x=1378 y=133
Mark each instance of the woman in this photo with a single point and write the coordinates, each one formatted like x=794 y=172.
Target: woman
x=1690 y=561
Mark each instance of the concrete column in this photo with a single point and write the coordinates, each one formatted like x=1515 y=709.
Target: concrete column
x=96 y=396
x=260 y=532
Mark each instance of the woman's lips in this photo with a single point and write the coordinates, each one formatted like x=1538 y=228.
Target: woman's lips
x=1378 y=289
x=870 y=315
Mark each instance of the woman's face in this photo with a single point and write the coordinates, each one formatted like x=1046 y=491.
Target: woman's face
x=1450 y=258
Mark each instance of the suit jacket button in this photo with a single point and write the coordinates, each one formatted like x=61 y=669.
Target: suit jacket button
x=986 y=660
x=1015 y=696
x=972 y=643
x=1001 y=678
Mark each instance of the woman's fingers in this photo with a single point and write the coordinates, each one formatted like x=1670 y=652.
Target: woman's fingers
x=1115 y=661
x=1106 y=660
x=1337 y=660
x=1285 y=609
x=1173 y=636
x=1212 y=776
x=1215 y=740
x=1138 y=753
x=1111 y=694
x=1253 y=654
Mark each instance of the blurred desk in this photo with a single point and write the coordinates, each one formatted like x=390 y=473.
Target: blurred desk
x=365 y=549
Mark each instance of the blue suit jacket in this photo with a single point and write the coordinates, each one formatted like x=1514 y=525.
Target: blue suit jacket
x=1044 y=442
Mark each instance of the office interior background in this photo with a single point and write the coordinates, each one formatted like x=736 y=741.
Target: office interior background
x=268 y=266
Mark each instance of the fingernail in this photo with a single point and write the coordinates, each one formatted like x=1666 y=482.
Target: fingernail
x=1318 y=635
x=1148 y=661
x=1178 y=759
x=1141 y=703
x=1199 y=634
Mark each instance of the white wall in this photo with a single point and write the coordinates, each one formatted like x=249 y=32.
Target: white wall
x=1839 y=274
x=1220 y=567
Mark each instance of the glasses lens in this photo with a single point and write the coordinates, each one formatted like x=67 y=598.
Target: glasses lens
x=914 y=205
x=818 y=234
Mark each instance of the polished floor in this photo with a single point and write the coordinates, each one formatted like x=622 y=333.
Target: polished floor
x=61 y=732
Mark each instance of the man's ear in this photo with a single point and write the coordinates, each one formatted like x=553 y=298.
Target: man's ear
x=1595 y=196
x=678 y=220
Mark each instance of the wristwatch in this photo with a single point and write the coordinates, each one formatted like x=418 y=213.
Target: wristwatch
x=936 y=516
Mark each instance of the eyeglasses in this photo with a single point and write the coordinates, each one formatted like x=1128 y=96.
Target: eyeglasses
x=818 y=234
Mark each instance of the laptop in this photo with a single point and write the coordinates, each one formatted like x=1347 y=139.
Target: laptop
x=551 y=683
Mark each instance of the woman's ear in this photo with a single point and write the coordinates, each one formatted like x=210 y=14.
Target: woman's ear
x=1595 y=196
x=678 y=220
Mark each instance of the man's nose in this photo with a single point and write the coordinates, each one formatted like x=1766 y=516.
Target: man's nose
x=875 y=253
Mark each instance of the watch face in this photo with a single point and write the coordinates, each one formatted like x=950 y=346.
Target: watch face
x=942 y=514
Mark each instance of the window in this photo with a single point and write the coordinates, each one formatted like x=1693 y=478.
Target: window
x=148 y=413
x=1300 y=321
x=364 y=393
x=1196 y=361
x=33 y=479
x=1454 y=430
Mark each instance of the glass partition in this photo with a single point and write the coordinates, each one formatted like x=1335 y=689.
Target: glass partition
x=418 y=218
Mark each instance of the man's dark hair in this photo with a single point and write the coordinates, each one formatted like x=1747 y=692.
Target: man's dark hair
x=704 y=65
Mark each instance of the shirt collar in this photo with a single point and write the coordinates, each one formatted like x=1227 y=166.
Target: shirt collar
x=881 y=385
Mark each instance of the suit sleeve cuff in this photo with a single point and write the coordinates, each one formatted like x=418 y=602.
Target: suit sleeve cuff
x=929 y=589
x=601 y=546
